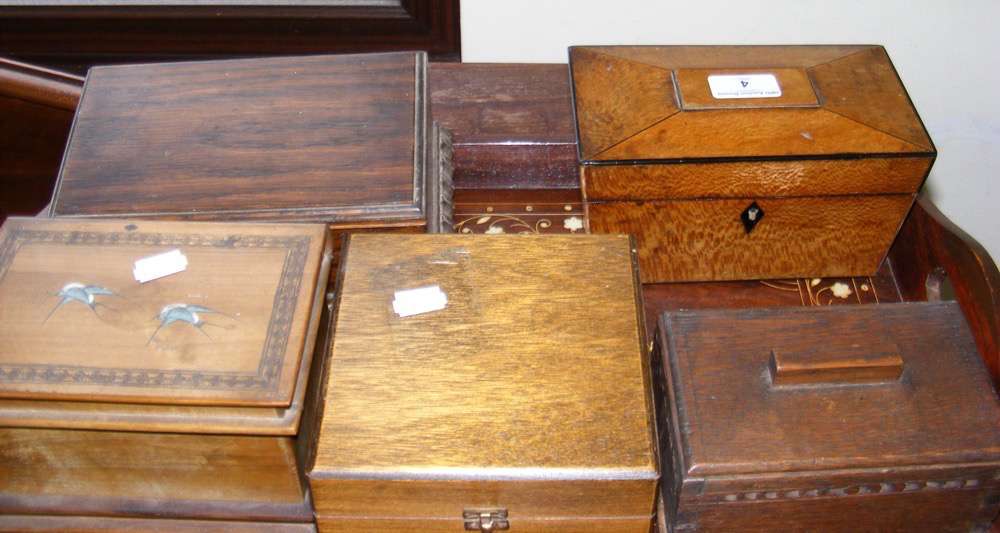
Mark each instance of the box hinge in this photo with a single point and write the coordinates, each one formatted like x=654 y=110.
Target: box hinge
x=485 y=519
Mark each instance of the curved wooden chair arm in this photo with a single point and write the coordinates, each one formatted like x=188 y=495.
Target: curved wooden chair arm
x=931 y=250
x=40 y=85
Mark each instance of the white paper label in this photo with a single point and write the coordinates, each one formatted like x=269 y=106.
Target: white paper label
x=159 y=265
x=744 y=86
x=420 y=300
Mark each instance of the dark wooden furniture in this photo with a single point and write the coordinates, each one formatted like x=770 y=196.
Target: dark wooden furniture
x=79 y=36
x=499 y=406
x=36 y=111
x=810 y=174
x=515 y=171
x=344 y=140
x=224 y=346
x=870 y=417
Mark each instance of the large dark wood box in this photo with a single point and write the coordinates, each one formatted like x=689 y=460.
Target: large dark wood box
x=345 y=140
x=810 y=174
x=224 y=346
x=868 y=417
x=525 y=399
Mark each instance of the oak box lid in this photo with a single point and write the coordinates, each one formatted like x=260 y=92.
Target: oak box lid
x=532 y=380
x=337 y=139
x=850 y=388
x=233 y=330
x=675 y=103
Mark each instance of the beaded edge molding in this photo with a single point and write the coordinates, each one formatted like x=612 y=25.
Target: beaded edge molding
x=852 y=490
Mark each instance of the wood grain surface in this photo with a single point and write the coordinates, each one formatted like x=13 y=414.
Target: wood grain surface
x=704 y=240
x=512 y=124
x=36 y=84
x=322 y=138
x=804 y=177
x=931 y=252
x=396 y=525
x=536 y=397
x=539 y=499
x=745 y=451
x=241 y=275
x=249 y=346
x=83 y=34
x=928 y=243
x=93 y=524
x=626 y=107
x=149 y=475
x=36 y=111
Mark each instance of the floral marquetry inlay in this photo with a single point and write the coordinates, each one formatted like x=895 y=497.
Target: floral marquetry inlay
x=828 y=291
x=538 y=218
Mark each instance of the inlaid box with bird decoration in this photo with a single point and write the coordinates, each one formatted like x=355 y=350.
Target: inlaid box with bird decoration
x=222 y=346
x=747 y=162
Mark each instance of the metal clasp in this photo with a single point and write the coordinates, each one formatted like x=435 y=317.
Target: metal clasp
x=485 y=519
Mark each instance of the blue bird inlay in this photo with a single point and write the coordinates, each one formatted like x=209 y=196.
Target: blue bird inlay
x=78 y=292
x=186 y=313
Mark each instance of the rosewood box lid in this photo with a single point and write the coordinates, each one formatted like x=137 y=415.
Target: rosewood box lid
x=887 y=389
x=337 y=139
x=528 y=391
x=234 y=329
x=683 y=103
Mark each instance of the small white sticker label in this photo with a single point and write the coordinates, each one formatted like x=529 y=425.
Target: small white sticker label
x=420 y=300
x=159 y=265
x=744 y=86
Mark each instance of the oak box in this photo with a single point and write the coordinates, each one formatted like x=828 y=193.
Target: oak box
x=520 y=399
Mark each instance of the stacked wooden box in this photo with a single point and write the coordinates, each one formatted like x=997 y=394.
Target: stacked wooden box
x=525 y=392
x=222 y=347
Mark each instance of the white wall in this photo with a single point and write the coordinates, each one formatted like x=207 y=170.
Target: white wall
x=946 y=51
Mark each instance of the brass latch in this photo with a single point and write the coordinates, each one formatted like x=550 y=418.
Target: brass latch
x=485 y=519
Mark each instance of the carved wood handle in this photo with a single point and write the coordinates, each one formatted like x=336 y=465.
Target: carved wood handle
x=791 y=369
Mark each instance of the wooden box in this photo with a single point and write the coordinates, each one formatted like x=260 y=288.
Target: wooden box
x=224 y=346
x=874 y=418
x=747 y=162
x=89 y=481
x=345 y=140
x=524 y=403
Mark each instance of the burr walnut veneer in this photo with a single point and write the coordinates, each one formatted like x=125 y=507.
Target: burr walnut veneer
x=525 y=401
x=224 y=346
x=809 y=177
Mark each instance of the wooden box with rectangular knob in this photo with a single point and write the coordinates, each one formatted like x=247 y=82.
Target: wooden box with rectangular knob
x=868 y=417
x=747 y=162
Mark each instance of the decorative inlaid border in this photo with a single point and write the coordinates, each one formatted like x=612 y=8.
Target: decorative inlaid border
x=275 y=343
x=851 y=490
x=828 y=291
x=520 y=218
